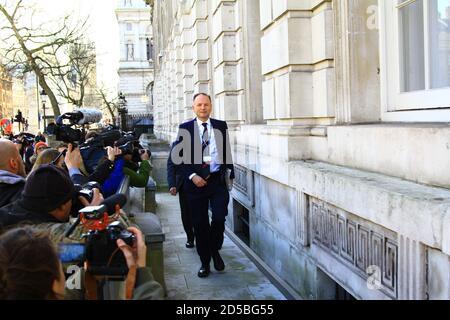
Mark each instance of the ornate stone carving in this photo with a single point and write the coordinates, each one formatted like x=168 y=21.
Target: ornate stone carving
x=243 y=187
x=357 y=243
x=240 y=182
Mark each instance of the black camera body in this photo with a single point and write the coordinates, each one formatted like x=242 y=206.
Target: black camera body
x=102 y=254
x=67 y=134
x=86 y=191
x=24 y=138
x=127 y=148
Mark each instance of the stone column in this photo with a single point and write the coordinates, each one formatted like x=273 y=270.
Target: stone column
x=228 y=60
x=297 y=62
x=187 y=64
x=357 y=61
x=200 y=47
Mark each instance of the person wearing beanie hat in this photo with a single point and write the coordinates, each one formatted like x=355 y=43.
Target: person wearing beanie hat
x=46 y=198
x=39 y=147
x=50 y=190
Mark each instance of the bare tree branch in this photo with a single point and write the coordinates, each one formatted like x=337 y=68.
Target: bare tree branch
x=36 y=49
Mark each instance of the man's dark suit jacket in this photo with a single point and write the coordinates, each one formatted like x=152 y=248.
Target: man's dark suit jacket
x=174 y=177
x=189 y=147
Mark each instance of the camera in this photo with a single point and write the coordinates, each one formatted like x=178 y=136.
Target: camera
x=66 y=133
x=101 y=253
x=87 y=191
x=127 y=148
x=25 y=139
x=103 y=256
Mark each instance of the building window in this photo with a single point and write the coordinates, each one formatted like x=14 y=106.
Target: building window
x=127 y=3
x=130 y=51
x=149 y=45
x=415 y=45
x=129 y=27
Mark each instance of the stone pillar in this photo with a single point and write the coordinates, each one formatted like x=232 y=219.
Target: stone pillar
x=251 y=49
x=297 y=61
x=179 y=75
x=200 y=47
x=357 y=61
x=411 y=269
x=228 y=60
x=187 y=64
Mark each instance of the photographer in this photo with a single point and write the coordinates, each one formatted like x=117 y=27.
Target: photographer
x=30 y=269
x=139 y=174
x=74 y=163
x=46 y=200
x=128 y=164
x=48 y=157
x=12 y=173
x=40 y=137
x=29 y=266
x=24 y=144
x=39 y=147
x=133 y=154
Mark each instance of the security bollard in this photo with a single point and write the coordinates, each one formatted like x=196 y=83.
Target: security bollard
x=150 y=196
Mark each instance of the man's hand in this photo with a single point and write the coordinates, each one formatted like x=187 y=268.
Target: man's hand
x=135 y=255
x=199 y=182
x=145 y=156
x=73 y=158
x=173 y=191
x=113 y=153
x=97 y=199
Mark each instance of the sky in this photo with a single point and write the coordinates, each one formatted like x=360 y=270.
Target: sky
x=103 y=30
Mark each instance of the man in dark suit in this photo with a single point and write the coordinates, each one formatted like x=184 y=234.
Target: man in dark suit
x=176 y=181
x=203 y=150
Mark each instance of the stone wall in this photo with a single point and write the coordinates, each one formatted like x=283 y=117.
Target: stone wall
x=336 y=198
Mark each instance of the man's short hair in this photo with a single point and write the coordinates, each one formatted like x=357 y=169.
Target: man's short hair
x=202 y=94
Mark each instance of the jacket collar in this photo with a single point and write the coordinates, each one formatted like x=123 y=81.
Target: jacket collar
x=7 y=177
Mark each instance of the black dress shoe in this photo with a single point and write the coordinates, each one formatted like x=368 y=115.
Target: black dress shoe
x=204 y=272
x=218 y=262
x=190 y=244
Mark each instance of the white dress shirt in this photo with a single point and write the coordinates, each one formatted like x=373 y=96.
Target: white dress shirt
x=214 y=166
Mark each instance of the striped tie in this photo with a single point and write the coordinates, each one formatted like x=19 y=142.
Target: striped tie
x=205 y=149
x=205 y=140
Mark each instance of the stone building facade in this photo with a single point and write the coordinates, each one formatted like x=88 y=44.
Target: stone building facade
x=136 y=64
x=338 y=113
x=6 y=106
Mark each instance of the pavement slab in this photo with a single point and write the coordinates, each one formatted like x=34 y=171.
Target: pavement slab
x=241 y=280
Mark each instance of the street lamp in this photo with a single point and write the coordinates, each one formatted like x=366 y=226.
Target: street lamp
x=122 y=110
x=44 y=100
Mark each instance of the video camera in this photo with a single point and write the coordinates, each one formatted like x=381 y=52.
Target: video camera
x=100 y=249
x=66 y=133
x=129 y=145
x=24 y=138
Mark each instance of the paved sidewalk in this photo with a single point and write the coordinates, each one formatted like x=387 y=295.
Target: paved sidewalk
x=241 y=280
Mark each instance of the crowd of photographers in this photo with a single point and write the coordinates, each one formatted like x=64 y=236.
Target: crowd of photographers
x=66 y=194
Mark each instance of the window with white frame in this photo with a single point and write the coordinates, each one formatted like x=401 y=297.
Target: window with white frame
x=415 y=45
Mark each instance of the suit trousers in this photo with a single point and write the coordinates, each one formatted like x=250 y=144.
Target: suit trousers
x=186 y=215
x=209 y=236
